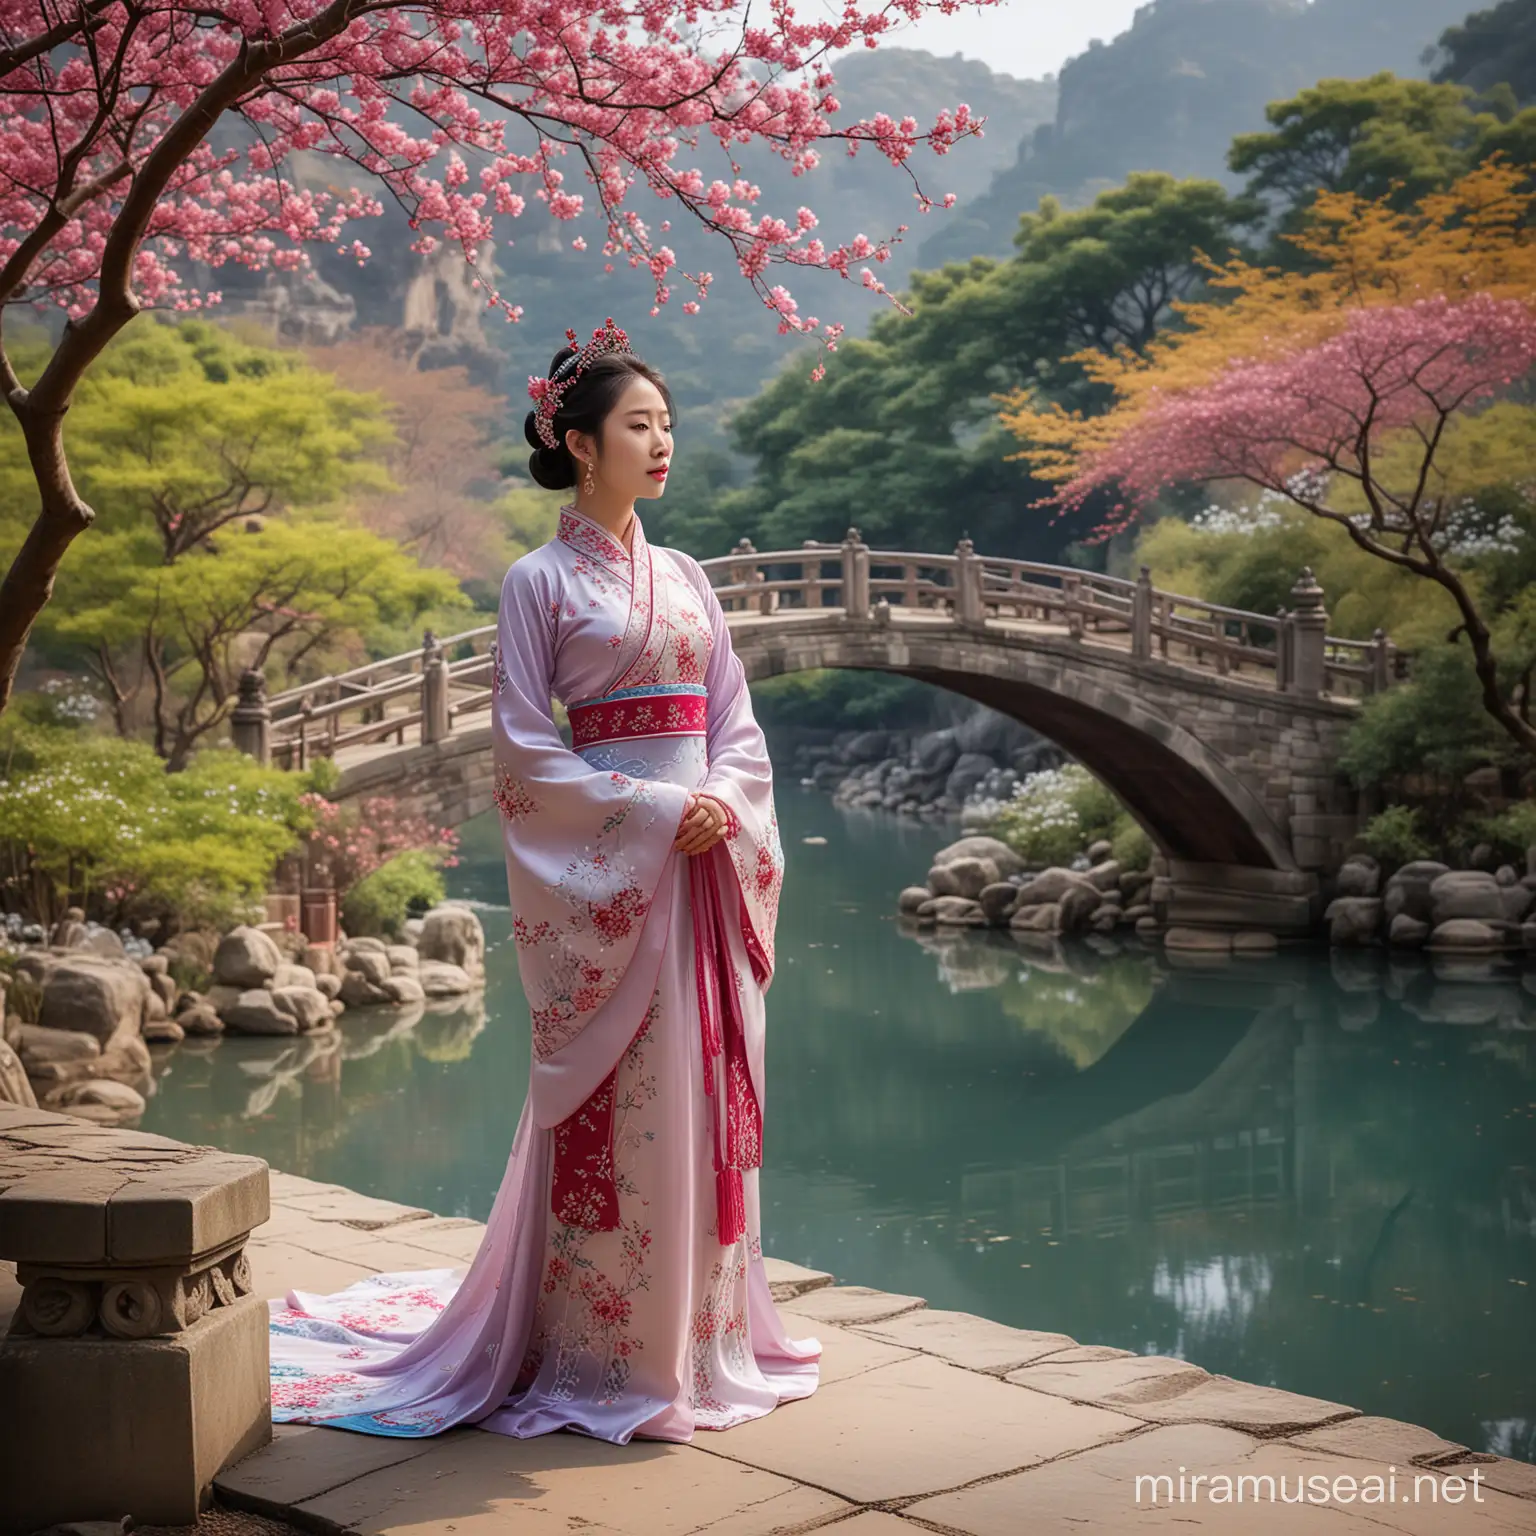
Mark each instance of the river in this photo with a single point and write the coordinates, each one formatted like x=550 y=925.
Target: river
x=1317 y=1173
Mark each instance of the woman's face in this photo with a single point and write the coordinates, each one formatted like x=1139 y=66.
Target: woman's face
x=636 y=448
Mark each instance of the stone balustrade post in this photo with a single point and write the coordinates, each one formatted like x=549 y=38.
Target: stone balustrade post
x=435 y=719
x=1381 y=662
x=969 y=605
x=250 y=721
x=1309 y=621
x=1282 y=651
x=1141 y=617
x=855 y=576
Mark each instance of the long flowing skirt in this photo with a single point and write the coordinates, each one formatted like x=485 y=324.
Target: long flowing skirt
x=653 y=1329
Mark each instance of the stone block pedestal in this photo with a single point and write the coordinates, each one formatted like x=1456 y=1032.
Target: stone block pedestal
x=96 y=1428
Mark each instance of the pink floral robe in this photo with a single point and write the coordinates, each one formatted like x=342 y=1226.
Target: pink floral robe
x=619 y=1289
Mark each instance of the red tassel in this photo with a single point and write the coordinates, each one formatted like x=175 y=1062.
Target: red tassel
x=730 y=1204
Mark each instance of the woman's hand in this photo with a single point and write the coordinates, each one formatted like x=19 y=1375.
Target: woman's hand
x=702 y=826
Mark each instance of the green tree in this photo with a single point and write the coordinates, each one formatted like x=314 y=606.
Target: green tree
x=1381 y=137
x=901 y=437
x=1493 y=46
x=218 y=466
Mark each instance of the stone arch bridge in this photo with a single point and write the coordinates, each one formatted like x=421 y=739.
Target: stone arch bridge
x=1218 y=728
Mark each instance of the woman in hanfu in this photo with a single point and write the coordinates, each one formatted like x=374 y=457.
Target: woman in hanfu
x=619 y=1289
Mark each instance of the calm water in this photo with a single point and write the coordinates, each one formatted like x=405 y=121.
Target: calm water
x=1301 y=1172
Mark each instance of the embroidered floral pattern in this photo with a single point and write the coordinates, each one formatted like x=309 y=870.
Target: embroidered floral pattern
x=512 y=797
x=586 y=538
x=582 y=1329
x=719 y=1329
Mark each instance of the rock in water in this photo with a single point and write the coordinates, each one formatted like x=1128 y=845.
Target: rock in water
x=98 y=997
x=453 y=934
x=256 y=1013
x=438 y=978
x=246 y=957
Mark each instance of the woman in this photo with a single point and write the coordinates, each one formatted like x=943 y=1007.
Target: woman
x=619 y=1289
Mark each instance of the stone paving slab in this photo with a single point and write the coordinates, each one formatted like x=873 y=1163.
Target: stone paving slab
x=850 y=1305
x=277 y=1268
x=963 y=1339
x=1378 y=1439
x=1096 y=1491
x=305 y=1461
x=846 y=1353
x=915 y=1427
x=481 y=1484
x=1169 y=1391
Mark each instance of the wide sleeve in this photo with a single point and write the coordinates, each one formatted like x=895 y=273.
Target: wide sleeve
x=740 y=777
x=587 y=852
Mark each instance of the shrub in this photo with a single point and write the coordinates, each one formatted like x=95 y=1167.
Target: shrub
x=379 y=904
x=1394 y=837
x=1511 y=832
x=1054 y=815
x=96 y=821
x=1133 y=848
x=357 y=838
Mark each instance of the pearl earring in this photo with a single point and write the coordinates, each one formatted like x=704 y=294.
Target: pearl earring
x=589 y=485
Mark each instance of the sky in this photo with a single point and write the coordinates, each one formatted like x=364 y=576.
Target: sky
x=1024 y=38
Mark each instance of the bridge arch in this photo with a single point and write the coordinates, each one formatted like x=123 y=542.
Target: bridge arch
x=1191 y=802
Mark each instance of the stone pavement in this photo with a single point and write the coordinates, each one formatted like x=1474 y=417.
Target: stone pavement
x=925 y=1421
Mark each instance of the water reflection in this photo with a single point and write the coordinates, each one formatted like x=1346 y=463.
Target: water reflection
x=1308 y=1170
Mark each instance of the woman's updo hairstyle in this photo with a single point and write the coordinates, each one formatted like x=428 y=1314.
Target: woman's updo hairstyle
x=584 y=407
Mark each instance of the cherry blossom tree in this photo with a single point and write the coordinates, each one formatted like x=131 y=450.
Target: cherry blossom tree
x=1361 y=428
x=143 y=142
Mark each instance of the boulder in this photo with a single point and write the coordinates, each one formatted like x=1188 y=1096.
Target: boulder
x=1406 y=932
x=1466 y=934
x=1465 y=893
x=163 y=1032
x=1518 y=902
x=1105 y=920
x=997 y=901
x=1205 y=941
x=1408 y=889
x=104 y=998
x=1136 y=911
x=1353 y=920
x=155 y=965
x=1052 y=885
x=371 y=965
x=163 y=985
x=328 y=986
x=104 y=943
x=220 y=997
x=453 y=934
x=969 y=770
x=322 y=961
x=200 y=1019
x=865 y=747
x=1100 y=851
x=1505 y=874
x=127 y=1058
x=99 y=1099
x=981 y=847
x=245 y=958
x=1255 y=941
x=290 y=975
x=1528 y=937
x=1040 y=917
x=963 y=877
x=403 y=959
x=404 y=989
x=439 y=978
x=155 y=1011
x=1104 y=875
x=38 y=1045
x=1077 y=905
x=15 y=1086
x=936 y=753
x=357 y=991
x=958 y=912
x=308 y=1006
x=1359 y=876
x=912 y=898
x=255 y=1012
x=364 y=942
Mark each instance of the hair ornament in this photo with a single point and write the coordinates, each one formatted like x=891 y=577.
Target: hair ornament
x=547 y=393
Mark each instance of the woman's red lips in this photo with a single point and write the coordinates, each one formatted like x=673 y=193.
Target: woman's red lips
x=658 y=474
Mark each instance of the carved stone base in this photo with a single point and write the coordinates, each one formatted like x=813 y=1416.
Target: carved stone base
x=96 y=1428
x=1229 y=897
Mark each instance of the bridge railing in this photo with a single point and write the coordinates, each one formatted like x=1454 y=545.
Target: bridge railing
x=435 y=687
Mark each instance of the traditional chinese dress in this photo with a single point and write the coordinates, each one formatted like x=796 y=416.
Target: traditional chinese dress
x=619 y=1289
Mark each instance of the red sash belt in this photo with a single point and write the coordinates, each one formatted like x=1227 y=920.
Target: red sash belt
x=584 y=1193
x=666 y=709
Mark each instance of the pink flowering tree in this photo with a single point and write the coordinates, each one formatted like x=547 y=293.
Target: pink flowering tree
x=1372 y=428
x=143 y=142
x=354 y=839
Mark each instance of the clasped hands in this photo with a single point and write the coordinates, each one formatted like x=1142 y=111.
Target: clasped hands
x=702 y=826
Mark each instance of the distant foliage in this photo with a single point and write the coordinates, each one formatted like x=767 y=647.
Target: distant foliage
x=1055 y=815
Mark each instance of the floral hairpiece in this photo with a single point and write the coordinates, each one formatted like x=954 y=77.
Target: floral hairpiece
x=546 y=393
